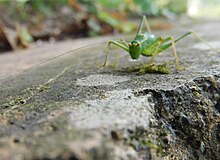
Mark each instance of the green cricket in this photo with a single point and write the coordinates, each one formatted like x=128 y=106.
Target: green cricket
x=147 y=44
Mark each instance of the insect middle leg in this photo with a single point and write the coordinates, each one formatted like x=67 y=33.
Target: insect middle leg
x=161 y=45
x=170 y=41
x=175 y=54
x=199 y=38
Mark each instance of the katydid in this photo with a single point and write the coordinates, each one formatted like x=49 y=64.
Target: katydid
x=147 y=44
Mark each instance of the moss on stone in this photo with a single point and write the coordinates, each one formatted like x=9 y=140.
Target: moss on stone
x=151 y=68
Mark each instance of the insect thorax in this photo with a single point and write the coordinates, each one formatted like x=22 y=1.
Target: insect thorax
x=145 y=36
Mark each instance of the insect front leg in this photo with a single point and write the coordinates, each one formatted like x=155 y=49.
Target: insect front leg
x=156 y=50
x=119 y=43
x=153 y=49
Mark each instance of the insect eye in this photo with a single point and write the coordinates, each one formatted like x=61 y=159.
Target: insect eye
x=138 y=44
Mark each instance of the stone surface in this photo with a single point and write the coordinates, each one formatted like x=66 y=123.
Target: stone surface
x=69 y=108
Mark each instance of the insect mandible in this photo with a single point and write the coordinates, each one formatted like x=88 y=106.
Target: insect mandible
x=147 y=44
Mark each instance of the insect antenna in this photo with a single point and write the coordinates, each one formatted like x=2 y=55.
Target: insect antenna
x=66 y=53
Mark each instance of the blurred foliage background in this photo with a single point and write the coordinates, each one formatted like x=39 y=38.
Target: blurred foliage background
x=57 y=19
x=93 y=14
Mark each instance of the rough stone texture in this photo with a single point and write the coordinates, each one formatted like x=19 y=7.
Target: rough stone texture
x=69 y=108
x=14 y=63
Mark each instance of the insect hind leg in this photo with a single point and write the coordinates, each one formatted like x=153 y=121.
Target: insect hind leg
x=144 y=21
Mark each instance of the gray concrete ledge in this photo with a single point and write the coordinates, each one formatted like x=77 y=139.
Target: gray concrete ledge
x=69 y=108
